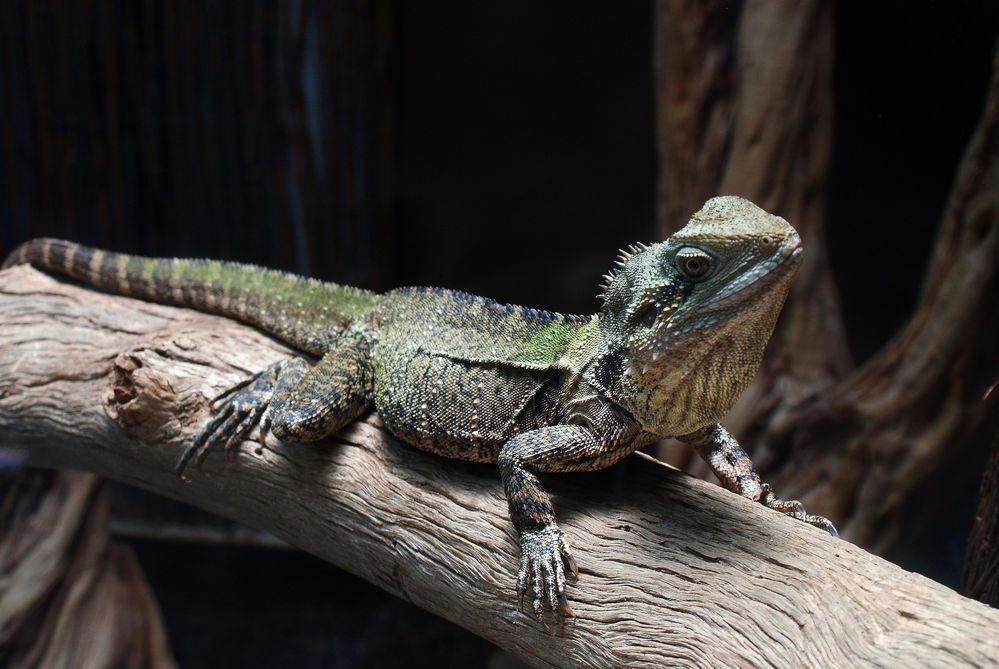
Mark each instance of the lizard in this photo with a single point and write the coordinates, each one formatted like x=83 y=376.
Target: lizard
x=680 y=334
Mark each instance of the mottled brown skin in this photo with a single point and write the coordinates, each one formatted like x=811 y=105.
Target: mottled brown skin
x=680 y=335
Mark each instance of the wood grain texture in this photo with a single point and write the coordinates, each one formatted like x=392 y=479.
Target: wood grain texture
x=675 y=571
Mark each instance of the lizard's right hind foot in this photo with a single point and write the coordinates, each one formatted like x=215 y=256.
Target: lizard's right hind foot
x=238 y=409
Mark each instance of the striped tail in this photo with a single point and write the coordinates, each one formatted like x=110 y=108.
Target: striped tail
x=298 y=310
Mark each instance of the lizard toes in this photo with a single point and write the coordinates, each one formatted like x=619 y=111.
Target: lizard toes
x=567 y=558
x=544 y=558
x=235 y=412
x=822 y=523
x=796 y=510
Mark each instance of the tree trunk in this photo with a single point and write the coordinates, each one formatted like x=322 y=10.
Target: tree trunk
x=872 y=446
x=913 y=424
x=675 y=571
x=981 y=563
x=756 y=121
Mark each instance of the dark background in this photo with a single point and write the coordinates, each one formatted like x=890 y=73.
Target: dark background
x=506 y=149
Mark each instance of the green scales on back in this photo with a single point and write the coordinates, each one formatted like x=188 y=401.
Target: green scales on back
x=459 y=375
x=679 y=336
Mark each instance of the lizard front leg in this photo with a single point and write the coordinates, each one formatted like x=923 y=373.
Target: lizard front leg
x=731 y=464
x=296 y=402
x=544 y=555
x=331 y=394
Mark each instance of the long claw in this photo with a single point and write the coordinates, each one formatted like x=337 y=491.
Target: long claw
x=795 y=509
x=565 y=607
x=543 y=563
x=568 y=559
x=235 y=411
x=229 y=391
x=265 y=428
x=188 y=453
x=822 y=523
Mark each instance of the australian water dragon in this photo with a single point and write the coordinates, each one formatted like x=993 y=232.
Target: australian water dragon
x=680 y=334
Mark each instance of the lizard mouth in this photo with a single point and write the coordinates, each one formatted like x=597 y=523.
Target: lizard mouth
x=778 y=268
x=791 y=246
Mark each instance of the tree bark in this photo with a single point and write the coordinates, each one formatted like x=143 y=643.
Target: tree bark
x=914 y=422
x=744 y=107
x=675 y=571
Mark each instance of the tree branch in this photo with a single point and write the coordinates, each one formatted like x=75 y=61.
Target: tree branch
x=675 y=570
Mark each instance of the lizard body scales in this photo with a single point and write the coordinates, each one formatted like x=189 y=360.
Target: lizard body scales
x=680 y=335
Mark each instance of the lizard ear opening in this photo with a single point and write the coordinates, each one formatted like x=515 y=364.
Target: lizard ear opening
x=646 y=317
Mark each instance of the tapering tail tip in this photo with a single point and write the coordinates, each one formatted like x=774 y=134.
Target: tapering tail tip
x=18 y=256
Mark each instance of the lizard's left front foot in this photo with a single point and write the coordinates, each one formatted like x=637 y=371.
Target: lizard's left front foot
x=543 y=559
x=238 y=409
x=795 y=509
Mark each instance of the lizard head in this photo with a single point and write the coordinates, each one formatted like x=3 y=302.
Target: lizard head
x=685 y=321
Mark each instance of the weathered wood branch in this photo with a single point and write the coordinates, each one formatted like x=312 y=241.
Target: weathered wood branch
x=69 y=596
x=675 y=571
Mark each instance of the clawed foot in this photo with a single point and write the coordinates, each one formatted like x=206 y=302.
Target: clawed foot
x=236 y=411
x=543 y=559
x=795 y=509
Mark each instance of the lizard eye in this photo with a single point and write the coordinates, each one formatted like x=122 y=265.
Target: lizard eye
x=693 y=263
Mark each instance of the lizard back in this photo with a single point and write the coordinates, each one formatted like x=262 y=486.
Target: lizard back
x=459 y=375
x=480 y=330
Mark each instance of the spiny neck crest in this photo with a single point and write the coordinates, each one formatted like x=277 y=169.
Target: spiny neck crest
x=623 y=257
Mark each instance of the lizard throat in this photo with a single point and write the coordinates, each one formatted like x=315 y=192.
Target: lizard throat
x=692 y=376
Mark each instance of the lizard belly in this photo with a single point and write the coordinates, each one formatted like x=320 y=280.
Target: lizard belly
x=455 y=409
